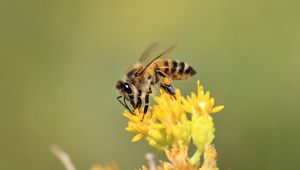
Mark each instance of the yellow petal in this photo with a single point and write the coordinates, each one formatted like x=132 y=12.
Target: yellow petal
x=212 y=101
x=206 y=97
x=217 y=109
x=200 y=88
x=129 y=129
x=128 y=115
x=137 y=138
x=156 y=135
x=157 y=126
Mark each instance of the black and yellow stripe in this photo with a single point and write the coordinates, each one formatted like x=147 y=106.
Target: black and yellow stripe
x=177 y=70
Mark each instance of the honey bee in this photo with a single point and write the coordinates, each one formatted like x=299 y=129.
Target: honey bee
x=140 y=78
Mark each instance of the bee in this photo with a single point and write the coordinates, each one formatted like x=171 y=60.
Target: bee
x=140 y=78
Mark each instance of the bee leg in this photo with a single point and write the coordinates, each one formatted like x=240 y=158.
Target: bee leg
x=166 y=83
x=146 y=103
x=131 y=99
x=139 y=100
x=124 y=103
x=169 y=89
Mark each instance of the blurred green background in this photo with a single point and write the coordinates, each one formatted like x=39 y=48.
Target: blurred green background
x=60 y=61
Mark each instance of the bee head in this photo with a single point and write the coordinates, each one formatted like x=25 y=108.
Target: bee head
x=124 y=88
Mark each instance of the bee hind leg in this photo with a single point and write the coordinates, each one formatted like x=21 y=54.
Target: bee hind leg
x=169 y=89
x=166 y=83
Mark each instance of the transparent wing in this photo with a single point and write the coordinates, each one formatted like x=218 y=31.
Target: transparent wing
x=165 y=53
x=150 y=49
x=162 y=55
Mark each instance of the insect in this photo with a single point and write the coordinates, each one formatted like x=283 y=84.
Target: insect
x=140 y=78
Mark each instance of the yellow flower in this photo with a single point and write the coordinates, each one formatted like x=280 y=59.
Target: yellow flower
x=178 y=157
x=164 y=126
x=210 y=158
x=177 y=122
x=202 y=133
x=201 y=103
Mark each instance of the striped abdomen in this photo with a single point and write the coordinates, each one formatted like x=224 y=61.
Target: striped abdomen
x=177 y=70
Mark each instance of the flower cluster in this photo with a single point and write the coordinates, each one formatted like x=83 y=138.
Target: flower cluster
x=174 y=124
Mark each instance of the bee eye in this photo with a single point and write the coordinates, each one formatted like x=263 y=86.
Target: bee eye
x=127 y=88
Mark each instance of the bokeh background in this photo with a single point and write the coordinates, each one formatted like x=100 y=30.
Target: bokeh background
x=60 y=61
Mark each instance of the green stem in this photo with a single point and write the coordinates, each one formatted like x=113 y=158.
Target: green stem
x=196 y=157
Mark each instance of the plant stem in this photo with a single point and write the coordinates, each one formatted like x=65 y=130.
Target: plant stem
x=196 y=157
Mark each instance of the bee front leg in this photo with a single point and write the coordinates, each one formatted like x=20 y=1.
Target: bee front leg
x=131 y=99
x=124 y=103
x=146 y=102
x=139 y=100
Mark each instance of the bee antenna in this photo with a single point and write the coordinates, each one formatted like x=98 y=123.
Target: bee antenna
x=124 y=104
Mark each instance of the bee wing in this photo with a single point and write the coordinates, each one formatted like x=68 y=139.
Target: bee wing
x=162 y=55
x=165 y=53
x=150 y=49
